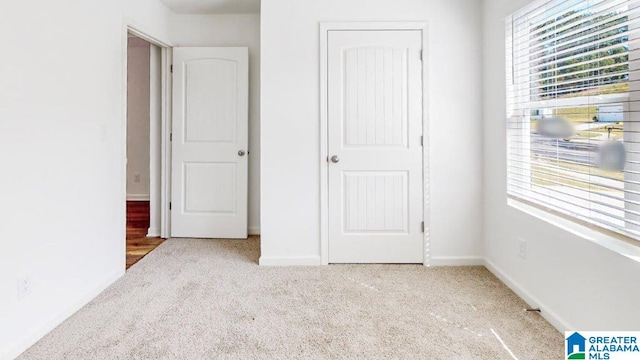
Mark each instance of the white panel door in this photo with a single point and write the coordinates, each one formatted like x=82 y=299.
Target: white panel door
x=375 y=146
x=209 y=146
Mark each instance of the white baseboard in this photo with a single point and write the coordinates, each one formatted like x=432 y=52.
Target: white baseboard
x=58 y=319
x=254 y=230
x=298 y=261
x=456 y=261
x=138 y=197
x=153 y=232
x=533 y=302
x=316 y=261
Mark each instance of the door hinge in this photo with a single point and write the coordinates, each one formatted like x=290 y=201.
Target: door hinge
x=171 y=137
x=421 y=140
x=169 y=205
x=423 y=226
x=420 y=55
x=172 y=65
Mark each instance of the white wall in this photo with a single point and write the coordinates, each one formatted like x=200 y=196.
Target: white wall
x=577 y=283
x=61 y=145
x=232 y=30
x=138 y=120
x=291 y=122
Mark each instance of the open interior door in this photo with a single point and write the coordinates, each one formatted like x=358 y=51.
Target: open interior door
x=210 y=142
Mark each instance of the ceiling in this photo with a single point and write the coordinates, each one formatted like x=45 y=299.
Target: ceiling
x=213 y=6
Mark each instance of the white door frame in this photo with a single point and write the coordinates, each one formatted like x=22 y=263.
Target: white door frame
x=325 y=27
x=129 y=27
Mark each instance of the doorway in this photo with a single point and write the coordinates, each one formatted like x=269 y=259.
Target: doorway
x=144 y=122
x=374 y=124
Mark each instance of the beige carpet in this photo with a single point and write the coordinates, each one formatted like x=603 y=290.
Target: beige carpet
x=208 y=299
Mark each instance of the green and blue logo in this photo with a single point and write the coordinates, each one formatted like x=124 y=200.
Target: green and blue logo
x=602 y=345
x=576 y=345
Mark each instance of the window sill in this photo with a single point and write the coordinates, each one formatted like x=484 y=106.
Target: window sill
x=612 y=243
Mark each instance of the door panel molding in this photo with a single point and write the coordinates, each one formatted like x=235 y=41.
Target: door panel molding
x=325 y=28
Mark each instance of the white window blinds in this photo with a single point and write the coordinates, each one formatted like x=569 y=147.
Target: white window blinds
x=573 y=110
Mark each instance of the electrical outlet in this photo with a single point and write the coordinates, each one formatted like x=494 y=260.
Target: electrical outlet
x=136 y=178
x=522 y=243
x=24 y=287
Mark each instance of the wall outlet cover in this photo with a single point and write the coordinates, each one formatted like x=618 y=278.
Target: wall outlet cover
x=522 y=248
x=24 y=287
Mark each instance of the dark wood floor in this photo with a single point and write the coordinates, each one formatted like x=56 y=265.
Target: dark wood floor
x=138 y=244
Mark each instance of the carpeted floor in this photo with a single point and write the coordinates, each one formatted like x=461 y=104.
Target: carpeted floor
x=208 y=299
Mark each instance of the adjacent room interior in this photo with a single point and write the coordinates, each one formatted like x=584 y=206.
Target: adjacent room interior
x=143 y=148
x=443 y=179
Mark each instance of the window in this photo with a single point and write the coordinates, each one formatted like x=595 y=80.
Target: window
x=573 y=110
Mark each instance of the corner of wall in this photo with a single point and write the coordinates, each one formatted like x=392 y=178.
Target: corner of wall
x=531 y=300
x=58 y=318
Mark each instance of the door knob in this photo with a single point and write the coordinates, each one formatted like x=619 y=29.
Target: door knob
x=335 y=159
x=241 y=153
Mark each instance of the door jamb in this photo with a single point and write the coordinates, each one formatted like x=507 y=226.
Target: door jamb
x=129 y=27
x=325 y=27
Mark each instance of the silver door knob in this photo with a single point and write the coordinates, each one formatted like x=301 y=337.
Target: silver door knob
x=241 y=153
x=335 y=159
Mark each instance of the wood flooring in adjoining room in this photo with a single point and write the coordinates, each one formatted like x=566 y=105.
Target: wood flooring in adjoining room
x=138 y=244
